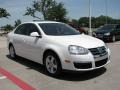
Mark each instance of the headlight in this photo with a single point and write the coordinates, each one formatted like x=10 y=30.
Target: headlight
x=107 y=34
x=77 y=50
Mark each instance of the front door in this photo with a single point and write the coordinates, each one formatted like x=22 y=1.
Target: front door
x=33 y=44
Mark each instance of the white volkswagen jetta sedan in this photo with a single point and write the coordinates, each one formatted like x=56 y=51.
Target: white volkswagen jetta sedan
x=58 y=47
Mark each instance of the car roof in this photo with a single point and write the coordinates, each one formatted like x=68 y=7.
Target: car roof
x=37 y=22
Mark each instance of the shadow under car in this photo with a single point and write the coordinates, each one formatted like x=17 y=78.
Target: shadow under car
x=68 y=76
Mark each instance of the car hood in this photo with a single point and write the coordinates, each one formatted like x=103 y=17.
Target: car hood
x=102 y=31
x=79 y=40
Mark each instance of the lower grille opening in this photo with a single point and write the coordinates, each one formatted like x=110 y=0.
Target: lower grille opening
x=83 y=65
x=101 y=62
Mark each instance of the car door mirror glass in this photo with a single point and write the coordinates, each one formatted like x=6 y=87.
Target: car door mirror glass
x=34 y=34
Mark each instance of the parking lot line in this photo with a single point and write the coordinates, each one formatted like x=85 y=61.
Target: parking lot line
x=16 y=80
x=3 y=77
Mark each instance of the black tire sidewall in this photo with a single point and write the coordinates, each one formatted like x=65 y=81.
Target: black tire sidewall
x=13 y=50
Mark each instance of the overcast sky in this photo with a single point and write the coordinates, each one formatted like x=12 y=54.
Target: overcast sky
x=75 y=8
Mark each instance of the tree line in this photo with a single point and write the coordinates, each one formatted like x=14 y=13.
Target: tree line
x=54 y=11
x=96 y=21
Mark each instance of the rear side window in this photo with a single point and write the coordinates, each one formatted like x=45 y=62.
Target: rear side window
x=26 y=29
x=21 y=30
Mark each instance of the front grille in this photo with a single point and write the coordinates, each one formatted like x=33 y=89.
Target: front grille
x=99 y=35
x=83 y=65
x=98 y=51
x=101 y=62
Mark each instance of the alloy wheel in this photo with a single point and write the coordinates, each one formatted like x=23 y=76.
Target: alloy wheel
x=51 y=64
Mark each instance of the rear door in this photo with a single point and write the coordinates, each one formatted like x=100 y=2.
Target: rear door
x=118 y=32
x=19 y=39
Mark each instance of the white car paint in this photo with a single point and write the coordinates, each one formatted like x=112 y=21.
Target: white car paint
x=33 y=48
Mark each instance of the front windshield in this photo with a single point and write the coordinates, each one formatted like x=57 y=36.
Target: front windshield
x=58 y=29
x=107 y=27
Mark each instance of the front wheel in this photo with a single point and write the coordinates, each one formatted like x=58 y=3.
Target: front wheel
x=12 y=52
x=52 y=64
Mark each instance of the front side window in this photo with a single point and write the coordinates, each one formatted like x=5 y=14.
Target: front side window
x=32 y=28
x=58 y=29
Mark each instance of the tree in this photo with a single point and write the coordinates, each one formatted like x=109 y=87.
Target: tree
x=97 y=21
x=75 y=21
x=57 y=13
x=50 y=10
x=84 y=21
x=41 y=6
x=17 y=22
x=101 y=20
x=7 y=27
x=3 y=13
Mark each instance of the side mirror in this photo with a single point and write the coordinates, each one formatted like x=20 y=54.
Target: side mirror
x=34 y=34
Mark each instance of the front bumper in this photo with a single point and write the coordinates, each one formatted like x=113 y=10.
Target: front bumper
x=104 y=37
x=86 y=62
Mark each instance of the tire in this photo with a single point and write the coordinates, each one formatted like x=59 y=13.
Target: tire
x=113 y=39
x=12 y=52
x=52 y=64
